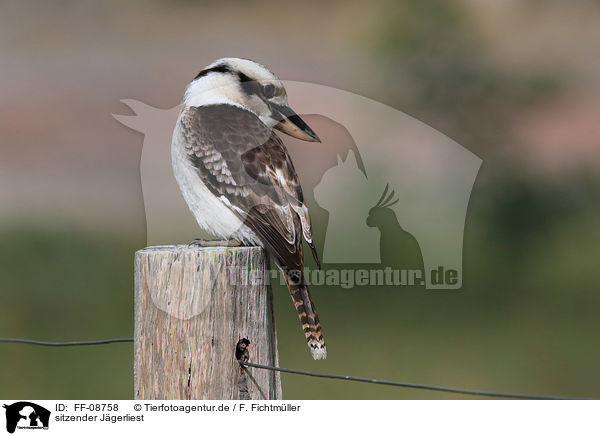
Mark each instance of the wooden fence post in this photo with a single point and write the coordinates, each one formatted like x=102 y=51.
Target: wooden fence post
x=192 y=306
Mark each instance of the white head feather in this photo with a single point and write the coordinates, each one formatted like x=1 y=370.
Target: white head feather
x=224 y=86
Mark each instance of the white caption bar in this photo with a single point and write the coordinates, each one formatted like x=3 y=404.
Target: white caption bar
x=22 y=417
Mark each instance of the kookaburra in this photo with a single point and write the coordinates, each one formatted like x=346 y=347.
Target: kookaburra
x=237 y=176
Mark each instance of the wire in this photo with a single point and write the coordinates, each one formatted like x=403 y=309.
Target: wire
x=317 y=374
x=411 y=385
x=65 y=344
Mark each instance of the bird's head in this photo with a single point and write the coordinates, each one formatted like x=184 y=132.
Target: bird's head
x=250 y=85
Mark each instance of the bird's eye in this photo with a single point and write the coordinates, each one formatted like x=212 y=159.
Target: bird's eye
x=268 y=90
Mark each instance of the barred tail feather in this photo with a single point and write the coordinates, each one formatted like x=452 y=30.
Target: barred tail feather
x=307 y=313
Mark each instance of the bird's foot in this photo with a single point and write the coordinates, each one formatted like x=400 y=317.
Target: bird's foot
x=205 y=243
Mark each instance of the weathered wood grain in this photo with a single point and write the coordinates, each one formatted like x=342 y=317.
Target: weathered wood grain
x=192 y=305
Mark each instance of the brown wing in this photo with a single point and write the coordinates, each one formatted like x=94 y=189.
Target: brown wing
x=242 y=161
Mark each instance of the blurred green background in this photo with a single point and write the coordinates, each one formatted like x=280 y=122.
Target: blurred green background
x=516 y=82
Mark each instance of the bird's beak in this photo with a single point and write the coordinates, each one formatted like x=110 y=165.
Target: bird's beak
x=293 y=125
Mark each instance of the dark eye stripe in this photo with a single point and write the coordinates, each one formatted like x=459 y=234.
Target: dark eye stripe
x=215 y=69
x=252 y=87
x=268 y=90
x=243 y=77
x=249 y=86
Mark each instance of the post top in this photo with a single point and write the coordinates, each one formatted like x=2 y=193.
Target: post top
x=218 y=246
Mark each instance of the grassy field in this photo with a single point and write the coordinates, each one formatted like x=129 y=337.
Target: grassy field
x=526 y=319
